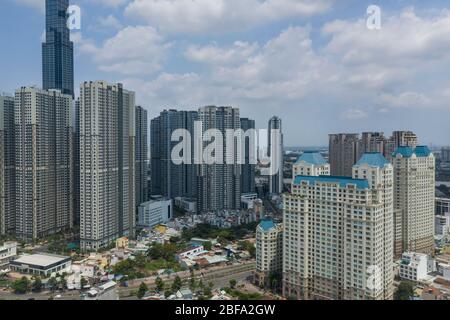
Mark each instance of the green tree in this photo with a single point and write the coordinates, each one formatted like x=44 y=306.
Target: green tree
x=21 y=286
x=207 y=245
x=37 y=285
x=177 y=284
x=83 y=282
x=233 y=283
x=159 y=284
x=52 y=283
x=143 y=288
x=404 y=291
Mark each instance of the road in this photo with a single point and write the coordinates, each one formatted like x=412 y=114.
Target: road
x=67 y=295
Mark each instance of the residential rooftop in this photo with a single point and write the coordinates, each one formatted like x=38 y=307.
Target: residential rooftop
x=342 y=181
x=312 y=157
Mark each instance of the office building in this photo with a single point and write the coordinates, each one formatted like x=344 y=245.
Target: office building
x=311 y=163
x=107 y=158
x=7 y=165
x=141 y=155
x=414 y=199
x=338 y=236
x=154 y=212
x=442 y=206
x=413 y=266
x=276 y=180
x=57 y=50
x=249 y=166
x=44 y=163
x=219 y=183
x=269 y=252
x=169 y=179
x=343 y=153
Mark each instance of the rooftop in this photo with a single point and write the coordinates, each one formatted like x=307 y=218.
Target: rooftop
x=312 y=157
x=373 y=159
x=342 y=181
x=41 y=260
x=408 y=152
x=267 y=224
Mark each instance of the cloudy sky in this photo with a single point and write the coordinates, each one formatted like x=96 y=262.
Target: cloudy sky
x=314 y=63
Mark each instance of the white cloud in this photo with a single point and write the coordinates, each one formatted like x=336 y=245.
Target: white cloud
x=354 y=114
x=212 y=54
x=197 y=16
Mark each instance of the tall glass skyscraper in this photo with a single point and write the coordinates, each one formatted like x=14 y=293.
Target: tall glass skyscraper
x=57 y=50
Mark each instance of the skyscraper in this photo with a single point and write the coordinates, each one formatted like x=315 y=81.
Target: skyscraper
x=414 y=194
x=57 y=50
x=400 y=139
x=343 y=153
x=169 y=179
x=7 y=165
x=44 y=165
x=248 y=169
x=338 y=235
x=276 y=180
x=141 y=155
x=107 y=173
x=220 y=183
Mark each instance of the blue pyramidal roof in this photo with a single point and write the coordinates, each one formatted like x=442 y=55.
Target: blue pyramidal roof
x=408 y=152
x=342 y=181
x=312 y=157
x=266 y=224
x=374 y=159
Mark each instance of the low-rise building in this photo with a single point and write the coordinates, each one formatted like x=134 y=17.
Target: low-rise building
x=414 y=266
x=156 y=211
x=43 y=265
x=107 y=291
x=442 y=224
x=188 y=205
x=8 y=251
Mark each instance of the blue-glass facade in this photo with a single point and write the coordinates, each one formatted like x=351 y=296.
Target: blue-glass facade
x=57 y=50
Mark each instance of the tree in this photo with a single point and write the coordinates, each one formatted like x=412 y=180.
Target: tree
x=37 y=285
x=83 y=282
x=404 y=291
x=177 y=284
x=21 y=286
x=52 y=283
x=207 y=245
x=233 y=283
x=159 y=284
x=142 y=290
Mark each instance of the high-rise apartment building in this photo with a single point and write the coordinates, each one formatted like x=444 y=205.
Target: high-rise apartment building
x=343 y=153
x=445 y=154
x=372 y=142
x=219 y=183
x=338 y=234
x=269 y=252
x=44 y=164
x=141 y=155
x=400 y=139
x=107 y=159
x=276 y=180
x=7 y=165
x=169 y=179
x=249 y=167
x=311 y=163
x=57 y=50
x=414 y=199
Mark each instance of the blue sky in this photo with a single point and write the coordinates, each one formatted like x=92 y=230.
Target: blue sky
x=314 y=63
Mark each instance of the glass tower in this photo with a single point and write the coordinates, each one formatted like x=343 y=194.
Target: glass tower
x=57 y=50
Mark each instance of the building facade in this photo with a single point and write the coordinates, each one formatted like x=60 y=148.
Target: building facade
x=141 y=155
x=169 y=179
x=338 y=236
x=269 y=252
x=57 y=50
x=155 y=212
x=414 y=199
x=249 y=167
x=311 y=163
x=107 y=158
x=343 y=153
x=219 y=182
x=442 y=206
x=44 y=163
x=7 y=165
x=276 y=180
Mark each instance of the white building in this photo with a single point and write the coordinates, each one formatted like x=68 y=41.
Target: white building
x=414 y=199
x=43 y=265
x=7 y=252
x=414 y=266
x=338 y=236
x=269 y=251
x=187 y=204
x=105 y=292
x=442 y=225
x=311 y=163
x=155 y=212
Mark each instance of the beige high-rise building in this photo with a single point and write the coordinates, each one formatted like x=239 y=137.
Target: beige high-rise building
x=269 y=253
x=414 y=199
x=107 y=173
x=338 y=234
x=311 y=163
x=43 y=162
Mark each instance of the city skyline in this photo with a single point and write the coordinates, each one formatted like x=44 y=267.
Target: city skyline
x=198 y=65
